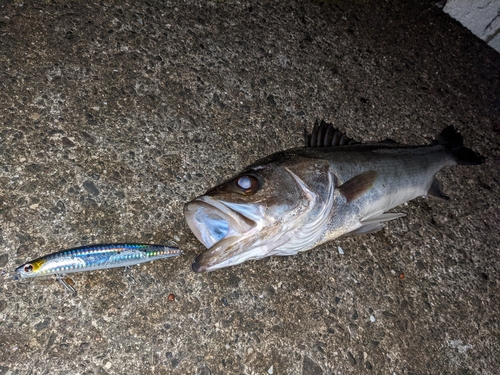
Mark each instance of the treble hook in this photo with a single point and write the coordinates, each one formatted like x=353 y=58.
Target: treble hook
x=130 y=279
x=67 y=282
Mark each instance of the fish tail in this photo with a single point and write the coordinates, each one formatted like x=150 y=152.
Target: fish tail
x=452 y=140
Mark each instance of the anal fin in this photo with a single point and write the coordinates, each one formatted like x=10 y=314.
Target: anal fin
x=436 y=192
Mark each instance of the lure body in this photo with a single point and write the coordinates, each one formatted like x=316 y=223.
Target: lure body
x=94 y=257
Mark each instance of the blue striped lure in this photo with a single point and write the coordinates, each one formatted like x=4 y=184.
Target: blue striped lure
x=94 y=257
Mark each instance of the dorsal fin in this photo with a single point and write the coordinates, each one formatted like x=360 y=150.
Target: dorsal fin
x=325 y=135
x=389 y=141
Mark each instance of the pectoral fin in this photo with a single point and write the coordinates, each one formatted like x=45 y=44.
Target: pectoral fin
x=358 y=185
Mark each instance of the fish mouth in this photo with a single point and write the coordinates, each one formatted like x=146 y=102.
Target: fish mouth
x=219 y=226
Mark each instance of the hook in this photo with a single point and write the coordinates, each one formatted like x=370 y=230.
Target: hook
x=67 y=282
x=130 y=280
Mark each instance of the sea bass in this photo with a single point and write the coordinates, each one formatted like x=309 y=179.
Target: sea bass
x=298 y=199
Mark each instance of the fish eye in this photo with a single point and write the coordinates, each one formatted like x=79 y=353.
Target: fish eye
x=28 y=268
x=246 y=184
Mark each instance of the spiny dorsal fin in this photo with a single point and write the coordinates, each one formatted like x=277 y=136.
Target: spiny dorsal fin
x=325 y=135
x=358 y=185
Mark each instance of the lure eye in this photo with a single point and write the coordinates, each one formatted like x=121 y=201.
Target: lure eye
x=246 y=184
x=28 y=268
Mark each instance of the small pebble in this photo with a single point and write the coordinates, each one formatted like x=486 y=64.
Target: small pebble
x=372 y=318
x=341 y=252
x=401 y=276
x=271 y=370
x=171 y=297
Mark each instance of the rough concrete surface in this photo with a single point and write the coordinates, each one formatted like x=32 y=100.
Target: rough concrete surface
x=114 y=114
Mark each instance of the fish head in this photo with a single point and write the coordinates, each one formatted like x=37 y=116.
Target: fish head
x=30 y=269
x=259 y=212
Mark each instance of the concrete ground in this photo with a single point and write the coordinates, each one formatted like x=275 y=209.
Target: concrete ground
x=113 y=114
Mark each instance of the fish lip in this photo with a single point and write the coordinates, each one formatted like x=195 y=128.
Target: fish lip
x=199 y=211
x=208 y=261
x=243 y=221
x=225 y=253
x=199 y=266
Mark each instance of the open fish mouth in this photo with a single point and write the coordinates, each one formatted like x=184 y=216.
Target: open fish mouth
x=218 y=225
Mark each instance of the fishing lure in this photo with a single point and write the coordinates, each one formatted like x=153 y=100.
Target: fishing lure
x=93 y=257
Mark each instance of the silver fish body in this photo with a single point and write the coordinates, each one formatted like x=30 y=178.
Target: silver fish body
x=94 y=257
x=300 y=198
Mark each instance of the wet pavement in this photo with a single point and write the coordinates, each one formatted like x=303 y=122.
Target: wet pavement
x=115 y=114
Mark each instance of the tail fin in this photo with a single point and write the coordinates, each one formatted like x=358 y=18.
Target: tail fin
x=452 y=140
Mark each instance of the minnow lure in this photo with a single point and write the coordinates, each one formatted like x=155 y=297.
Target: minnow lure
x=93 y=257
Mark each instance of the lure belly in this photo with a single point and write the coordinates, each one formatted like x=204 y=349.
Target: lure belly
x=94 y=257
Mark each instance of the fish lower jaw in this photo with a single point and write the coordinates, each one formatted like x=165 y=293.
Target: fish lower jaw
x=249 y=246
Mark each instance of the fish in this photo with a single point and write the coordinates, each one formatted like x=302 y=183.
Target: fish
x=94 y=257
x=298 y=199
